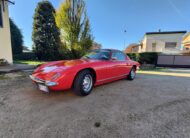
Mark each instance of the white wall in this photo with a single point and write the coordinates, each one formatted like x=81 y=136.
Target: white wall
x=5 y=38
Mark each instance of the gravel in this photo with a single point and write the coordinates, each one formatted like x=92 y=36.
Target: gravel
x=151 y=106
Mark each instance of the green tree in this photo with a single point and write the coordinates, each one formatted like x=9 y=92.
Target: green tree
x=16 y=38
x=74 y=24
x=46 y=35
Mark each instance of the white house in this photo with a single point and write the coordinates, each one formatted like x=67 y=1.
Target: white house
x=5 y=37
x=165 y=42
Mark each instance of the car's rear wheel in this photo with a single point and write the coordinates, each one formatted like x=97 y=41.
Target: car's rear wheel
x=83 y=83
x=132 y=74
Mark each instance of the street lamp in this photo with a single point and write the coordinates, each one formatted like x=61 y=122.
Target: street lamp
x=125 y=32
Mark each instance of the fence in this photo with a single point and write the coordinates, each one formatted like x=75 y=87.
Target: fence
x=173 y=61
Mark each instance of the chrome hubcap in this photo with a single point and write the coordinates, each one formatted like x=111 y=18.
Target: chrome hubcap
x=87 y=83
x=133 y=73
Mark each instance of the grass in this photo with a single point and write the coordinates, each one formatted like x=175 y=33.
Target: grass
x=162 y=69
x=163 y=73
x=29 y=62
x=13 y=75
x=154 y=69
x=3 y=77
x=166 y=72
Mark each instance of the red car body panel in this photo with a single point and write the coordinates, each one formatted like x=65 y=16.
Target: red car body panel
x=105 y=71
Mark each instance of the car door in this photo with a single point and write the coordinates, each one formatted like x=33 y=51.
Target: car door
x=119 y=64
x=104 y=68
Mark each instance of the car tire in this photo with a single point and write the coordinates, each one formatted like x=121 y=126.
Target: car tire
x=132 y=74
x=83 y=83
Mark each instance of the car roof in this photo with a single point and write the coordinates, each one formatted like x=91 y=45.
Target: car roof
x=111 y=50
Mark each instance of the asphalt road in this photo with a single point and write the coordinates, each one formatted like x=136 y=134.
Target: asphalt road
x=151 y=106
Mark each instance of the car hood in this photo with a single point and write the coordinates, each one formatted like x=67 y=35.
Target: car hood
x=48 y=70
x=68 y=63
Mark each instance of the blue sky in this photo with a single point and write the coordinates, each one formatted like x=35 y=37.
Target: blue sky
x=109 y=19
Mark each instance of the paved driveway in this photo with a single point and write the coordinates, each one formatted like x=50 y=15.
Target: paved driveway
x=151 y=106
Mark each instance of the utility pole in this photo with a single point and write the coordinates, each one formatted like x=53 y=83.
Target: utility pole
x=125 y=32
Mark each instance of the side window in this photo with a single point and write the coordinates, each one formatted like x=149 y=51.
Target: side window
x=1 y=16
x=122 y=56
x=119 y=55
x=105 y=55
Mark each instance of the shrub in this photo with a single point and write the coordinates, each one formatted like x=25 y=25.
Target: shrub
x=134 y=56
x=3 y=62
x=144 y=58
x=148 y=58
x=25 y=56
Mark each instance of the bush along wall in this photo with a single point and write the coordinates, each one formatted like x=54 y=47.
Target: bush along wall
x=25 y=56
x=145 y=58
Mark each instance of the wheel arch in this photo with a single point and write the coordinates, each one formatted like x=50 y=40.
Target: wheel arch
x=135 y=66
x=91 y=70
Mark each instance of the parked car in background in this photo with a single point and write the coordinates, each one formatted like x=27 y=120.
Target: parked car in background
x=95 y=68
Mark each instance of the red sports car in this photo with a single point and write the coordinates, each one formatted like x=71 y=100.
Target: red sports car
x=95 y=68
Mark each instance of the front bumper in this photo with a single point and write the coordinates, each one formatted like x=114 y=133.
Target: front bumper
x=44 y=82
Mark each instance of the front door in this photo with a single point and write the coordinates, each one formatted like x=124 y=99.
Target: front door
x=119 y=64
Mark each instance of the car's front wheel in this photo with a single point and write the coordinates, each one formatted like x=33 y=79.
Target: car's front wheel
x=83 y=83
x=132 y=74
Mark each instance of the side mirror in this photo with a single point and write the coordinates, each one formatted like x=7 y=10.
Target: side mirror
x=114 y=58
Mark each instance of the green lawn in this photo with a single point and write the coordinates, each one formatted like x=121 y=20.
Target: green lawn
x=154 y=69
x=29 y=62
x=3 y=77
x=165 y=70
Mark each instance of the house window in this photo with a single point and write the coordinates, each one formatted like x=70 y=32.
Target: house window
x=170 y=45
x=153 y=47
x=1 y=16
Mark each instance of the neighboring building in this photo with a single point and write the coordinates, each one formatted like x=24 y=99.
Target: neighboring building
x=96 y=46
x=165 y=42
x=133 y=48
x=5 y=37
x=186 y=42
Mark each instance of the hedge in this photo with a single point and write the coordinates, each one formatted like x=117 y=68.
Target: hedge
x=148 y=57
x=144 y=58
x=30 y=56
x=25 y=56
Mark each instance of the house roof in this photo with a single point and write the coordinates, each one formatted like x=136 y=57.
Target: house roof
x=167 y=32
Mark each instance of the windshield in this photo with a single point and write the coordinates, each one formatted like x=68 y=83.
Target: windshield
x=98 y=54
